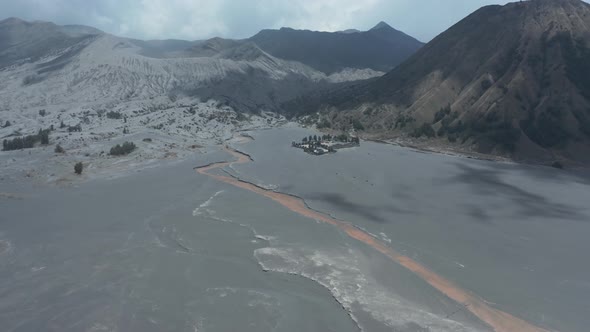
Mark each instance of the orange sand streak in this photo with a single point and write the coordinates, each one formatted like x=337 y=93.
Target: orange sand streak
x=500 y=321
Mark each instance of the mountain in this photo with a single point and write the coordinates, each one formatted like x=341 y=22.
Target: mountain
x=42 y=63
x=512 y=80
x=382 y=25
x=380 y=49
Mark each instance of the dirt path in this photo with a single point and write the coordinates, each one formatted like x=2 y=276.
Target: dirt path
x=500 y=321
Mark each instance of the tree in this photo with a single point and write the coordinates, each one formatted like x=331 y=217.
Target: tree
x=59 y=149
x=42 y=112
x=8 y=124
x=43 y=136
x=315 y=138
x=78 y=168
x=62 y=124
x=304 y=140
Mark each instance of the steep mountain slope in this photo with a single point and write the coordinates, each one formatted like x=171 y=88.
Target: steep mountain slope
x=25 y=42
x=381 y=48
x=511 y=80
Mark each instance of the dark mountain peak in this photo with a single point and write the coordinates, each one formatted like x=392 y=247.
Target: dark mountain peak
x=382 y=25
x=331 y=52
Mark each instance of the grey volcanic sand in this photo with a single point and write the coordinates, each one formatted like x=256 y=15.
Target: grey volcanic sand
x=168 y=249
x=132 y=254
x=516 y=235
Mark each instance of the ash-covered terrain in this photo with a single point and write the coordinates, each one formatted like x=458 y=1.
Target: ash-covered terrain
x=88 y=91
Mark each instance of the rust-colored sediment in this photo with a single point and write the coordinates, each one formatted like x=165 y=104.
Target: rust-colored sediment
x=499 y=321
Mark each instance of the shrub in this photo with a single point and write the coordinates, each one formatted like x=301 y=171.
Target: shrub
x=42 y=112
x=7 y=124
x=120 y=150
x=59 y=149
x=78 y=168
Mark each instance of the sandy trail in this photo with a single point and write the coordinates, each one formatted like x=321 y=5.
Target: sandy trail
x=498 y=320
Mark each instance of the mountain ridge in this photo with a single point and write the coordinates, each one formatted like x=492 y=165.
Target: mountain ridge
x=47 y=63
x=509 y=80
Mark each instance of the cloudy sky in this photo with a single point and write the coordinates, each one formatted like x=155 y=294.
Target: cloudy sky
x=200 y=19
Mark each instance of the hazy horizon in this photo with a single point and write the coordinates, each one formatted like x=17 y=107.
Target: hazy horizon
x=195 y=20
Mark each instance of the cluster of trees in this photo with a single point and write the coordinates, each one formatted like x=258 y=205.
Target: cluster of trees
x=403 y=120
x=357 y=125
x=491 y=129
x=114 y=115
x=76 y=128
x=547 y=128
x=442 y=113
x=314 y=138
x=120 y=150
x=324 y=123
x=424 y=130
x=340 y=138
x=26 y=142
